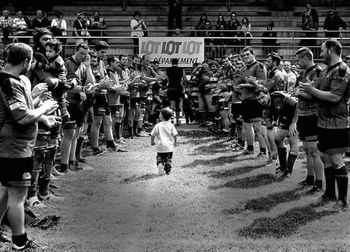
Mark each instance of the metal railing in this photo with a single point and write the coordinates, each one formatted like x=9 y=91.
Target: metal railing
x=215 y=46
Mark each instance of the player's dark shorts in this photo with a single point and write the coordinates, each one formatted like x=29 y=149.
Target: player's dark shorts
x=268 y=118
x=113 y=109
x=334 y=140
x=77 y=114
x=284 y=122
x=236 y=109
x=16 y=172
x=307 y=128
x=251 y=109
x=101 y=107
x=176 y=96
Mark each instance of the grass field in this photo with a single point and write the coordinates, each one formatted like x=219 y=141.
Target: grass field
x=214 y=200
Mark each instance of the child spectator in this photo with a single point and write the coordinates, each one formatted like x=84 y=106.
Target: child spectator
x=56 y=67
x=55 y=63
x=269 y=45
x=164 y=132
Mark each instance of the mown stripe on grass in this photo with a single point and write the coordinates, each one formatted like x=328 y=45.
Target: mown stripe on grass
x=285 y=224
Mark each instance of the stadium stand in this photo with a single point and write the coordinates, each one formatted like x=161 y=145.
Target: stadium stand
x=118 y=15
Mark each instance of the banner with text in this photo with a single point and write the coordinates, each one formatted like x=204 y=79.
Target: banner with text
x=187 y=50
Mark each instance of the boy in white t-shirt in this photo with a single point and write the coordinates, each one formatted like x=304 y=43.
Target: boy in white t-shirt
x=166 y=135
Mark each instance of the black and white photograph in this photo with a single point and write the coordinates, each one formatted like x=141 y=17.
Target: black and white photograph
x=178 y=125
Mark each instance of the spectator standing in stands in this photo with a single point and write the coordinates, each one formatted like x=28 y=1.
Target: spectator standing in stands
x=17 y=139
x=98 y=26
x=246 y=26
x=80 y=27
x=138 y=28
x=332 y=24
x=291 y=78
x=309 y=22
x=21 y=25
x=220 y=28
x=270 y=44
x=234 y=25
x=220 y=22
x=6 y=24
x=200 y=25
x=175 y=14
x=59 y=29
x=176 y=78
x=332 y=94
x=40 y=21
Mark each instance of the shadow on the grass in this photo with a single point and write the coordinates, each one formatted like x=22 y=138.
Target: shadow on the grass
x=217 y=147
x=215 y=162
x=285 y=224
x=139 y=178
x=234 y=172
x=197 y=134
x=268 y=202
x=250 y=182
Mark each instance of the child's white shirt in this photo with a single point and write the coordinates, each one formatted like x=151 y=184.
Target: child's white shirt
x=164 y=133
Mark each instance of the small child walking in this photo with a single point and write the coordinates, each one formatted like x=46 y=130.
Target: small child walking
x=165 y=134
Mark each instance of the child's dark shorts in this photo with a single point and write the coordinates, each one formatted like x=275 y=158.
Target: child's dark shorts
x=165 y=159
